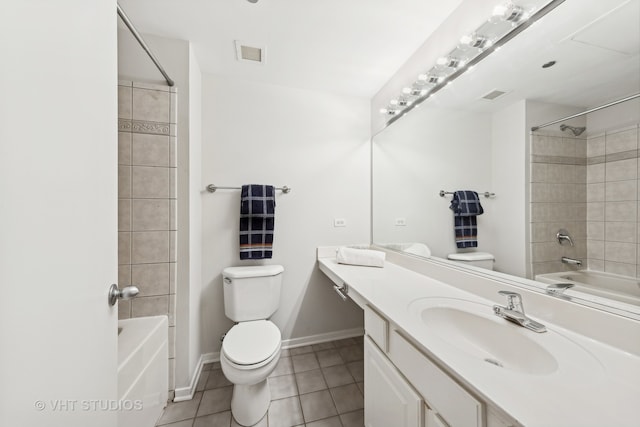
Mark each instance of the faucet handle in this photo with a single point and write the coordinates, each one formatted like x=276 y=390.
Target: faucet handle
x=514 y=299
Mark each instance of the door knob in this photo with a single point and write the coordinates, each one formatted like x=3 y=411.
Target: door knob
x=126 y=293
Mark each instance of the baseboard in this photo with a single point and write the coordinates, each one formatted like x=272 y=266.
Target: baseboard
x=320 y=338
x=187 y=393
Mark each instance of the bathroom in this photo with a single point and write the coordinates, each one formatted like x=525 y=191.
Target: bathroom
x=300 y=131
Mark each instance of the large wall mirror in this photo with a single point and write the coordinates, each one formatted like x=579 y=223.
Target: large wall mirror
x=580 y=175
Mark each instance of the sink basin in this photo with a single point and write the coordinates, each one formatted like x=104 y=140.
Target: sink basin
x=471 y=328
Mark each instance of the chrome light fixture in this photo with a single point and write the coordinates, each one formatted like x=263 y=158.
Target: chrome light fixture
x=508 y=19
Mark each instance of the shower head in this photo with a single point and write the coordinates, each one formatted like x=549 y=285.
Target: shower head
x=577 y=131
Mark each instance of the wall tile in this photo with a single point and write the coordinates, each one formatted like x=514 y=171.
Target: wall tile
x=150 y=182
x=172 y=310
x=173 y=108
x=173 y=253
x=124 y=214
x=150 y=247
x=124 y=276
x=596 y=264
x=621 y=141
x=152 y=279
x=595 y=230
x=618 y=191
x=149 y=306
x=622 y=170
x=150 y=214
x=596 y=146
x=124 y=148
x=173 y=151
x=172 y=341
x=621 y=211
x=595 y=192
x=596 y=173
x=124 y=182
x=173 y=214
x=152 y=86
x=124 y=309
x=620 y=268
x=150 y=105
x=150 y=150
x=172 y=277
x=124 y=248
x=595 y=211
x=620 y=252
x=173 y=182
x=621 y=232
x=595 y=249
x=124 y=102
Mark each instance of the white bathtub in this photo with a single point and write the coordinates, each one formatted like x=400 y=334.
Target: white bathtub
x=589 y=284
x=143 y=370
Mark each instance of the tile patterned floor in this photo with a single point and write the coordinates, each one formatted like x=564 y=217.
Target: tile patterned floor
x=320 y=385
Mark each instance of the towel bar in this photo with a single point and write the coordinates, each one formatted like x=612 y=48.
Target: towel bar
x=211 y=188
x=485 y=194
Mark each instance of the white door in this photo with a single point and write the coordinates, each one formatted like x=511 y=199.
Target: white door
x=58 y=213
x=388 y=399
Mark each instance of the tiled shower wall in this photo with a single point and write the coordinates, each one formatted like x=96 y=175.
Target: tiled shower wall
x=589 y=186
x=147 y=202
x=612 y=196
x=558 y=199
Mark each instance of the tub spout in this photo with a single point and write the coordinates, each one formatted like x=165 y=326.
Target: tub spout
x=571 y=261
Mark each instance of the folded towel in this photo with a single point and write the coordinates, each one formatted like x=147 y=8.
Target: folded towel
x=257 y=217
x=466 y=230
x=466 y=203
x=365 y=257
x=466 y=206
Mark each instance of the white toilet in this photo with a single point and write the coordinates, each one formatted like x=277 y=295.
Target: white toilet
x=251 y=349
x=477 y=259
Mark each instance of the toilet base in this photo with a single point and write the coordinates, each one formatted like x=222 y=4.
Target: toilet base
x=250 y=402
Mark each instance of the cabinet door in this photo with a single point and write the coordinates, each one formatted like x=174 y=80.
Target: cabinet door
x=388 y=399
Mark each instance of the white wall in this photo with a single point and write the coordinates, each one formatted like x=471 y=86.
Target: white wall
x=177 y=59
x=58 y=221
x=616 y=117
x=510 y=180
x=429 y=150
x=316 y=143
x=194 y=177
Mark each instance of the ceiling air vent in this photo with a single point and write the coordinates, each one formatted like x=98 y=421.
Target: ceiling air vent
x=493 y=95
x=249 y=52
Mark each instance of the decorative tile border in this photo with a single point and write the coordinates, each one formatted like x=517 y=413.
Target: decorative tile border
x=139 y=126
x=614 y=157
x=558 y=160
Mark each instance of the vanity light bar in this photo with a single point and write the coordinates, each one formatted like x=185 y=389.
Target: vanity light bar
x=452 y=65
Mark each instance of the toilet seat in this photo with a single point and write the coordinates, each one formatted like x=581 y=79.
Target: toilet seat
x=250 y=345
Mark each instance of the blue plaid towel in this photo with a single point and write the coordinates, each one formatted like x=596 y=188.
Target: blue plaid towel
x=257 y=217
x=466 y=206
x=466 y=203
x=466 y=229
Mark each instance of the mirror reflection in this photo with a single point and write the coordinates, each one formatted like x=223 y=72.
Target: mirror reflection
x=563 y=200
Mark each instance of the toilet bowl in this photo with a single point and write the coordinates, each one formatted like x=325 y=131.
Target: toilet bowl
x=250 y=353
x=251 y=348
x=476 y=259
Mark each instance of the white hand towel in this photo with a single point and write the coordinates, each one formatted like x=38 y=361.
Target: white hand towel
x=363 y=257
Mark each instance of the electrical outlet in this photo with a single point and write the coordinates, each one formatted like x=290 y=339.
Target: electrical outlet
x=339 y=222
x=401 y=222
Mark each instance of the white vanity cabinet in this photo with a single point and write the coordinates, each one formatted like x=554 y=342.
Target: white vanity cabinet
x=405 y=388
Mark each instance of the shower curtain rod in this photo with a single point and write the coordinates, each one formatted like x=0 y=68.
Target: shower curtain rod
x=628 y=98
x=138 y=37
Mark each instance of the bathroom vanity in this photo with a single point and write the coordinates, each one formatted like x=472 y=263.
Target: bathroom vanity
x=437 y=355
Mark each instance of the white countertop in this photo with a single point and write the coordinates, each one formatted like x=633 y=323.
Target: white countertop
x=595 y=384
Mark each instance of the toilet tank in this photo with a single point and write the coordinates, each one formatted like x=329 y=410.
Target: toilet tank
x=477 y=259
x=251 y=293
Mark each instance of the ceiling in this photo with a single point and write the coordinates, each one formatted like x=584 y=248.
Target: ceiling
x=350 y=47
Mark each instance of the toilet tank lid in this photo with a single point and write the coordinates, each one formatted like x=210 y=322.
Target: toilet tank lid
x=252 y=271
x=471 y=256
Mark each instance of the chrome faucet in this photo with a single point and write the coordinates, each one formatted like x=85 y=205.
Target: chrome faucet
x=571 y=261
x=557 y=289
x=514 y=312
x=563 y=236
